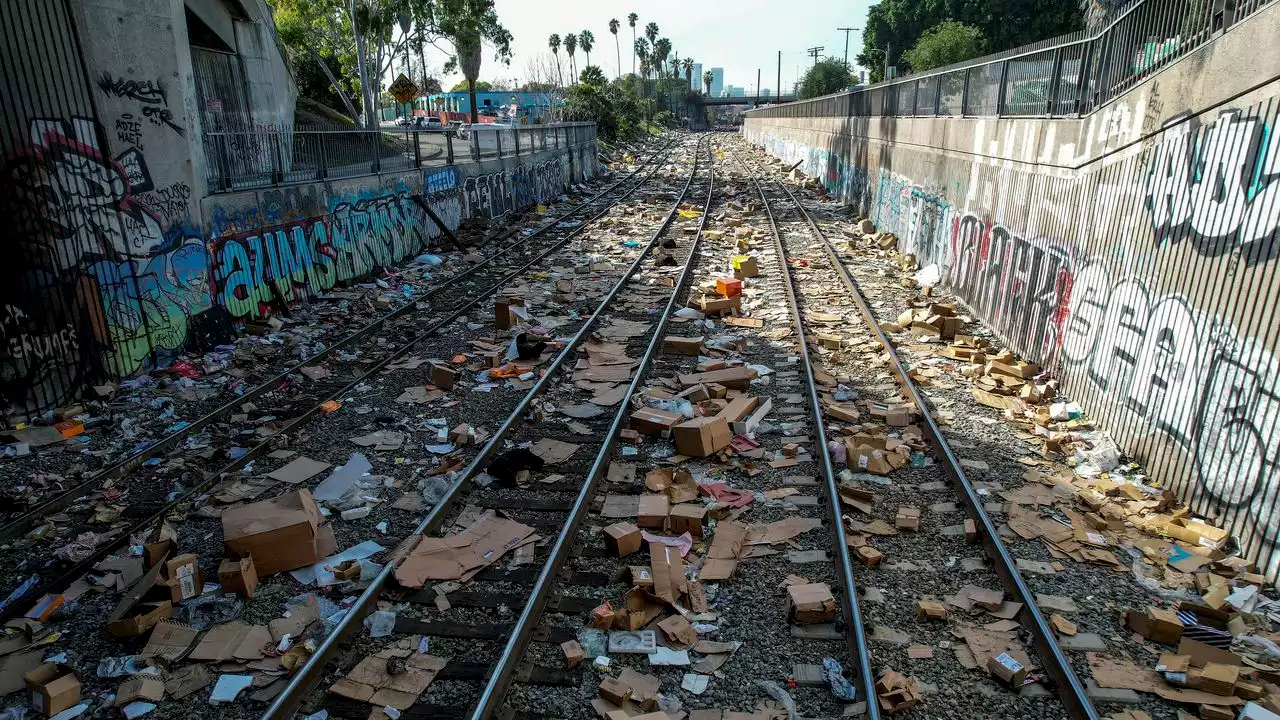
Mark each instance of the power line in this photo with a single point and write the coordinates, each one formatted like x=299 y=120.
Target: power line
x=814 y=52
x=846 y=42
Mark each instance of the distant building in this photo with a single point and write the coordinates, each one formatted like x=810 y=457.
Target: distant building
x=735 y=91
x=717 y=81
x=522 y=106
x=695 y=80
x=766 y=92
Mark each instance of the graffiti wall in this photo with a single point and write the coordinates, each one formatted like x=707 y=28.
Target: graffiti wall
x=496 y=194
x=107 y=270
x=1145 y=276
x=297 y=244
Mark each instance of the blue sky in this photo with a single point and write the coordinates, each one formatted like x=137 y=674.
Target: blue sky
x=738 y=35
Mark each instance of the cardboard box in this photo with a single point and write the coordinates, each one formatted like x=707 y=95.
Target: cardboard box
x=737 y=378
x=183 y=578
x=739 y=408
x=1217 y=712
x=443 y=376
x=676 y=345
x=928 y=610
x=869 y=555
x=652 y=421
x=843 y=413
x=653 y=512
x=811 y=603
x=614 y=690
x=686 y=517
x=908 y=518
x=1009 y=667
x=53 y=687
x=503 y=318
x=238 y=576
x=896 y=691
x=573 y=653
x=728 y=287
x=714 y=305
x=702 y=436
x=1216 y=678
x=140 y=687
x=1156 y=624
x=623 y=538
x=282 y=533
x=745 y=266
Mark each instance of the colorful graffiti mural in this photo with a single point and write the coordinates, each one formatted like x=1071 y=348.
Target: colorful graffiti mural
x=109 y=280
x=1088 y=273
x=275 y=266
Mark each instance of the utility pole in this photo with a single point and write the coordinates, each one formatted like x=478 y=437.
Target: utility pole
x=814 y=52
x=846 y=42
x=779 y=72
x=757 y=87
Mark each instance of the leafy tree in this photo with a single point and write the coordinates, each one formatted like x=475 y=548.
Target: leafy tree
x=586 y=41
x=707 y=78
x=826 y=76
x=943 y=44
x=571 y=44
x=631 y=20
x=593 y=75
x=613 y=28
x=899 y=24
x=553 y=42
x=481 y=86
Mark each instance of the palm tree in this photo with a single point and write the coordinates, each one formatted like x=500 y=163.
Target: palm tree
x=642 y=52
x=651 y=32
x=613 y=28
x=661 y=51
x=688 y=71
x=571 y=44
x=707 y=79
x=554 y=43
x=586 y=41
x=632 y=18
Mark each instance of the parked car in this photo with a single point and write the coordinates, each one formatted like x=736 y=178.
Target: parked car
x=434 y=123
x=403 y=120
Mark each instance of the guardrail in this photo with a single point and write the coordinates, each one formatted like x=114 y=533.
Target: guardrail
x=1067 y=76
x=269 y=155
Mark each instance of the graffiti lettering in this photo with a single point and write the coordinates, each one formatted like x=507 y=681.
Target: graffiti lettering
x=155 y=105
x=1190 y=378
x=129 y=131
x=262 y=270
x=921 y=220
x=1218 y=187
x=1020 y=287
x=171 y=203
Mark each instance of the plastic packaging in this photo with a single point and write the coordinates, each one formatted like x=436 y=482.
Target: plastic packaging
x=836 y=449
x=782 y=696
x=381 y=623
x=433 y=488
x=833 y=673
x=675 y=405
x=594 y=642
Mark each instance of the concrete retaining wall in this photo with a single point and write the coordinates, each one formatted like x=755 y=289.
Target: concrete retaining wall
x=288 y=243
x=1133 y=251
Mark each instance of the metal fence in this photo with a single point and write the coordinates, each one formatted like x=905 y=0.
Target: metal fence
x=1065 y=76
x=270 y=155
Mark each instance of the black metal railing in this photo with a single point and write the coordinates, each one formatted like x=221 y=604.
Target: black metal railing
x=277 y=155
x=1065 y=76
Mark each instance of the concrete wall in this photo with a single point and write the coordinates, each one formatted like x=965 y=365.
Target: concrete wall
x=1133 y=251
x=283 y=245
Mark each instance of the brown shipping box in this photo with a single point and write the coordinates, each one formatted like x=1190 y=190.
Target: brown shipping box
x=810 y=604
x=184 y=578
x=1010 y=667
x=238 y=576
x=53 y=687
x=283 y=533
x=702 y=436
x=652 y=421
x=623 y=538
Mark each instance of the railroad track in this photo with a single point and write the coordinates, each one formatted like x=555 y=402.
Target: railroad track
x=288 y=400
x=462 y=627
x=938 y=560
x=767 y=335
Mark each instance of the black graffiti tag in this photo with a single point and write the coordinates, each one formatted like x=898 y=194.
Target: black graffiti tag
x=155 y=105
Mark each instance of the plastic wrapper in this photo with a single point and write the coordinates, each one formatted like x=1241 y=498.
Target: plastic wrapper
x=840 y=686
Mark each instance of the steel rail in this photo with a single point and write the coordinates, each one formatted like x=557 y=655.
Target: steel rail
x=292 y=695
x=522 y=633
x=19 y=525
x=1070 y=690
x=66 y=577
x=856 y=635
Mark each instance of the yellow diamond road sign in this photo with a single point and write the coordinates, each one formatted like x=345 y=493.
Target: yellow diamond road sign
x=403 y=89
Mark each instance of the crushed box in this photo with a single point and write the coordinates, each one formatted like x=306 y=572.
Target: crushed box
x=810 y=603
